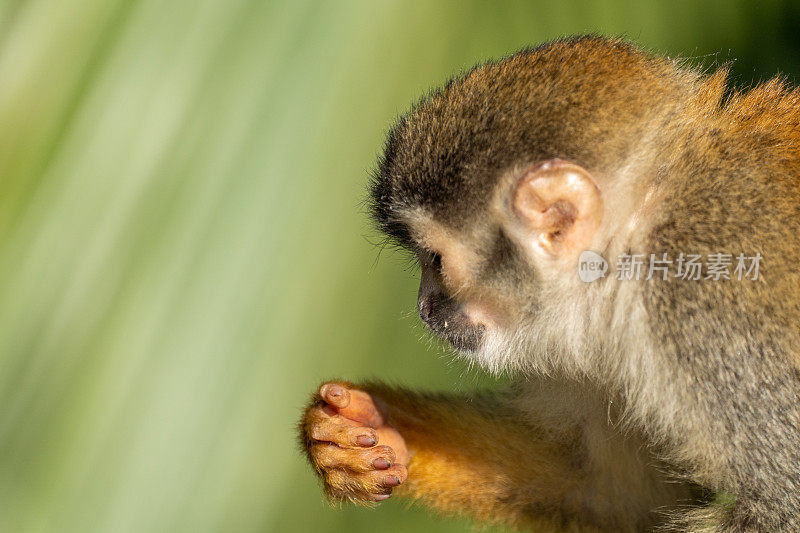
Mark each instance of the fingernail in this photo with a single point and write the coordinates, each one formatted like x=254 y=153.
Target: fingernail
x=391 y=481
x=333 y=390
x=365 y=440
x=381 y=463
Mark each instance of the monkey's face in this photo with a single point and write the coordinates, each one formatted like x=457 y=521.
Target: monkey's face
x=462 y=296
x=483 y=274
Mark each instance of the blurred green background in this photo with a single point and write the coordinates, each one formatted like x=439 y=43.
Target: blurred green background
x=183 y=250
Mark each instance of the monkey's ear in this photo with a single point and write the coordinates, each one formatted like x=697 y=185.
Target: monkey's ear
x=559 y=207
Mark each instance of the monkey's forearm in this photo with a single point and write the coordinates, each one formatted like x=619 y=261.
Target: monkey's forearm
x=477 y=455
x=481 y=456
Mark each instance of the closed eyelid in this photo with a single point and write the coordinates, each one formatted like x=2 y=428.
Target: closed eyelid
x=430 y=257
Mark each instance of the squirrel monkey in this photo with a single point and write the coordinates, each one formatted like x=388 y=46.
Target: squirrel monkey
x=661 y=401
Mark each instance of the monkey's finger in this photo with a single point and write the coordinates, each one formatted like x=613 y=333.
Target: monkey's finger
x=328 y=456
x=361 y=485
x=331 y=429
x=353 y=404
x=393 y=476
x=335 y=394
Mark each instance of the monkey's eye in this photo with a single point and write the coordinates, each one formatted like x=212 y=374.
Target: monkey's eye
x=431 y=259
x=436 y=261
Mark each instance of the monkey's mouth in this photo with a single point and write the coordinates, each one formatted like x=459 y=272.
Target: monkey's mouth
x=447 y=319
x=465 y=338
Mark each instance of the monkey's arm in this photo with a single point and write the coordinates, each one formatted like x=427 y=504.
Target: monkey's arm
x=487 y=455
x=479 y=455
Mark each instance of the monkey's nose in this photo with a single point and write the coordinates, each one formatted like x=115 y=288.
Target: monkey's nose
x=425 y=307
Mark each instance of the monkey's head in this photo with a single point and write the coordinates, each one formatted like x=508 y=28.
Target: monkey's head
x=500 y=179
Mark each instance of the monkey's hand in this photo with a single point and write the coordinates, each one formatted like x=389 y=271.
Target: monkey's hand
x=348 y=439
